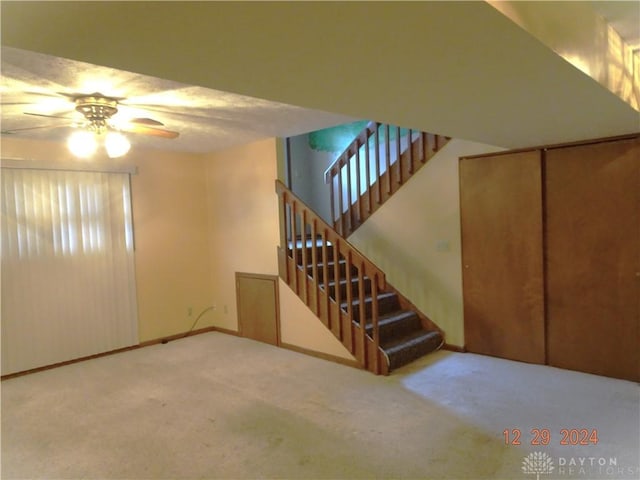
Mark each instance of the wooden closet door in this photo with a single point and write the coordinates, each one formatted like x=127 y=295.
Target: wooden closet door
x=258 y=310
x=593 y=259
x=501 y=214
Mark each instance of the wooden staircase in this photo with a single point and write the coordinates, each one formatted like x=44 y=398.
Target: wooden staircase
x=348 y=293
x=372 y=168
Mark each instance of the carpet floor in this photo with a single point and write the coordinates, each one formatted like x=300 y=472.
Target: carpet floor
x=216 y=406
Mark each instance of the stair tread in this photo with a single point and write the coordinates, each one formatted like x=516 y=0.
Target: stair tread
x=387 y=318
x=368 y=298
x=330 y=263
x=397 y=315
x=343 y=281
x=410 y=340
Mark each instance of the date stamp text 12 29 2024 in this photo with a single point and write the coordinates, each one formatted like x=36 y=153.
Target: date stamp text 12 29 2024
x=544 y=436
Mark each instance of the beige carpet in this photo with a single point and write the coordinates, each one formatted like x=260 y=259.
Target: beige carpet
x=217 y=406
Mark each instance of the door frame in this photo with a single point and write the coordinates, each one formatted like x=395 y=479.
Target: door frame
x=260 y=276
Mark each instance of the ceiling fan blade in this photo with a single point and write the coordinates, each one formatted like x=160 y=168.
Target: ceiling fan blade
x=4 y=104
x=34 y=93
x=147 y=121
x=41 y=93
x=156 y=132
x=48 y=116
x=41 y=127
x=151 y=108
x=74 y=95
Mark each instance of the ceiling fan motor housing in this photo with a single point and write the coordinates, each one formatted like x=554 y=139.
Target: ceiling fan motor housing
x=97 y=110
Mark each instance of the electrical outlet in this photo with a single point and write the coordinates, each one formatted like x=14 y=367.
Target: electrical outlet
x=443 y=246
x=189 y=311
x=226 y=310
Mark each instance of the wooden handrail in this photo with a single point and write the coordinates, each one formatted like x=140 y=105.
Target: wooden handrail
x=304 y=237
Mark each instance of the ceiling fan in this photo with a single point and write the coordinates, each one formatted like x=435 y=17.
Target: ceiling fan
x=97 y=119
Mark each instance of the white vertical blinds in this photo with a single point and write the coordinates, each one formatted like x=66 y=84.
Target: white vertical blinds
x=68 y=281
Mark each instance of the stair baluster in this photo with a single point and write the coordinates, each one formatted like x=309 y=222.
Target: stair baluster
x=387 y=157
x=374 y=320
x=340 y=209
x=336 y=280
x=398 y=158
x=284 y=225
x=410 y=150
x=325 y=278
x=363 y=319
x=294 y=245
x=304 y=246
x=332 y=199
x=368 y=172
x=349 y=291
x=314 y=263
x=424 y=138
x=349 y=190
x=357 y=147
x=378 y=182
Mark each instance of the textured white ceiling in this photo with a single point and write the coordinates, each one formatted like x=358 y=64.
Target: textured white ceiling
x=207 y=120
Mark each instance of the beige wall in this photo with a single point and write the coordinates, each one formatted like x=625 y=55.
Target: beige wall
x=415 y=239
x=243 y=221
x=300 y=327
x=244 y=235
x=172 y=246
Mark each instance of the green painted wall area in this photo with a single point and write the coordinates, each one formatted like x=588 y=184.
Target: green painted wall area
x=337 y=139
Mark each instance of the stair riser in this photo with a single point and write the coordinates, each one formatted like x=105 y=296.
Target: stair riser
x=354 y=289
x=342 y=271
x=408 y=355
x=319 y=255
x=397 y=329
x=385 y=305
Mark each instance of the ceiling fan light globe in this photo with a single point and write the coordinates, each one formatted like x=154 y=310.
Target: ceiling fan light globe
x=82 y=144
x=116 y=144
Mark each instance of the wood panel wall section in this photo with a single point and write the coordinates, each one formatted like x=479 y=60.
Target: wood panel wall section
x=501 y=214
x=551 y=255
x=593 y=259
